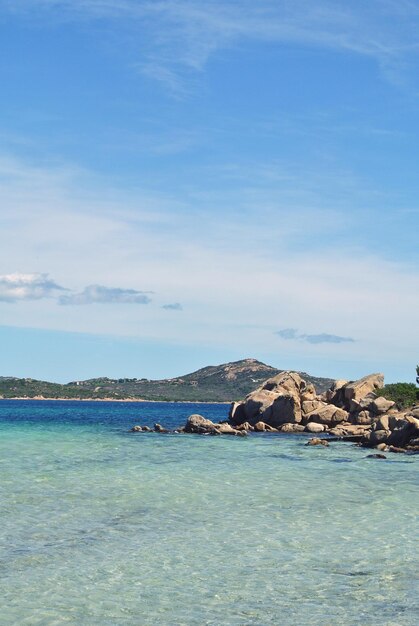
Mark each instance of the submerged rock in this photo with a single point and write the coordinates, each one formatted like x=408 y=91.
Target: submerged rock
x=317 y=442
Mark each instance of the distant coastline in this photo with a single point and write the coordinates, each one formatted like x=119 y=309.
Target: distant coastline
x=41 y=399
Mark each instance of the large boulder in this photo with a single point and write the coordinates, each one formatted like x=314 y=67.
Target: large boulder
x=313 y=427
x=381 y=405
x=407 y=430
x=286 y=408
x=360 y=389
x=276 y=402
x=199 y=425
x=257 y=403
x=396 y=430
x=328 y=414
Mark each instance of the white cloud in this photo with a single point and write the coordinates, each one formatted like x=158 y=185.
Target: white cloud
x=16 y=287
x=175 y=306
x=98 y=294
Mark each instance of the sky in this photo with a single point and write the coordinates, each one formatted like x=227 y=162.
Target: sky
x=185 y=183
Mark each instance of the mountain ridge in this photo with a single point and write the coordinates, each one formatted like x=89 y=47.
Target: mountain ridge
x=213 y=383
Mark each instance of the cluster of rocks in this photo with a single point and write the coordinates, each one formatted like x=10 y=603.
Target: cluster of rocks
x=288 y=404
x=349 y=410
x=198 y=425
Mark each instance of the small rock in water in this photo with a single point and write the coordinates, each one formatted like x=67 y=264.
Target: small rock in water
x=317 y=442
x=396 y=449
x=136 y=429
x=375 y=456
x=158 y=428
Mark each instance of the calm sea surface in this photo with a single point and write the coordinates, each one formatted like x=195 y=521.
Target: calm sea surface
x=102 y=527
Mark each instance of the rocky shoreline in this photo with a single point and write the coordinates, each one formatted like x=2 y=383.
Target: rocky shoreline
x=349 y=410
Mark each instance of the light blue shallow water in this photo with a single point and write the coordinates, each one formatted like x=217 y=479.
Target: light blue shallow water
x=102 y=527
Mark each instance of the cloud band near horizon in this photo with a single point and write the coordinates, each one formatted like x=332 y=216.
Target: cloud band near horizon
x=290 y=334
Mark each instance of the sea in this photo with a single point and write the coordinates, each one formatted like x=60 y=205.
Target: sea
x=100 y=526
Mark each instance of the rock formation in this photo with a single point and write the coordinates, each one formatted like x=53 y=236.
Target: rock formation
x=286 y=403
x=349 y=409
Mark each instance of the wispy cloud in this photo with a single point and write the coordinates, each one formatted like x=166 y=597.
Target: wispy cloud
x=182 y=35
x=15 y=287
x=293 y=334
x=176 y=306
x=97 y=294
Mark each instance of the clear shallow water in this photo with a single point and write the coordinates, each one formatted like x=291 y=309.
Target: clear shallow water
x=103 y=527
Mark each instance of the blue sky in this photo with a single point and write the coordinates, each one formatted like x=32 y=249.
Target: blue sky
x=185 y=183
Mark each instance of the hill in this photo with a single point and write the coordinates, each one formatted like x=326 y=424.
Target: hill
x=219 y=383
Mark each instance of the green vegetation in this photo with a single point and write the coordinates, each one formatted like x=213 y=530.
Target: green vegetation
x=221 y=383
x=403 y=394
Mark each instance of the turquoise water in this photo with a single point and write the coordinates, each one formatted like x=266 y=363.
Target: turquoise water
x=103 y=527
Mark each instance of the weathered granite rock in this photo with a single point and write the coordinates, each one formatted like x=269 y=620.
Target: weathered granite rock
x=158 y=428
x=308 y=406
x=245 y=426
x=285 y=408
x=317 y=442
x=313 y=427
x=237 y=413
x=329 y=415
x=336 y=394
x=275 y=403
x=381 y=405
x=136 y=429
x=364 y=404
x=309 y=393
x=345 y=429
x=291 y=428
x=356 y=391
x=377 y=436
x=261 y=427
x=199 y=425
x=349 y=410
x=256 y=404
x=227 y=429
x=396 y=449
x=402 y=433
x=363 y=418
